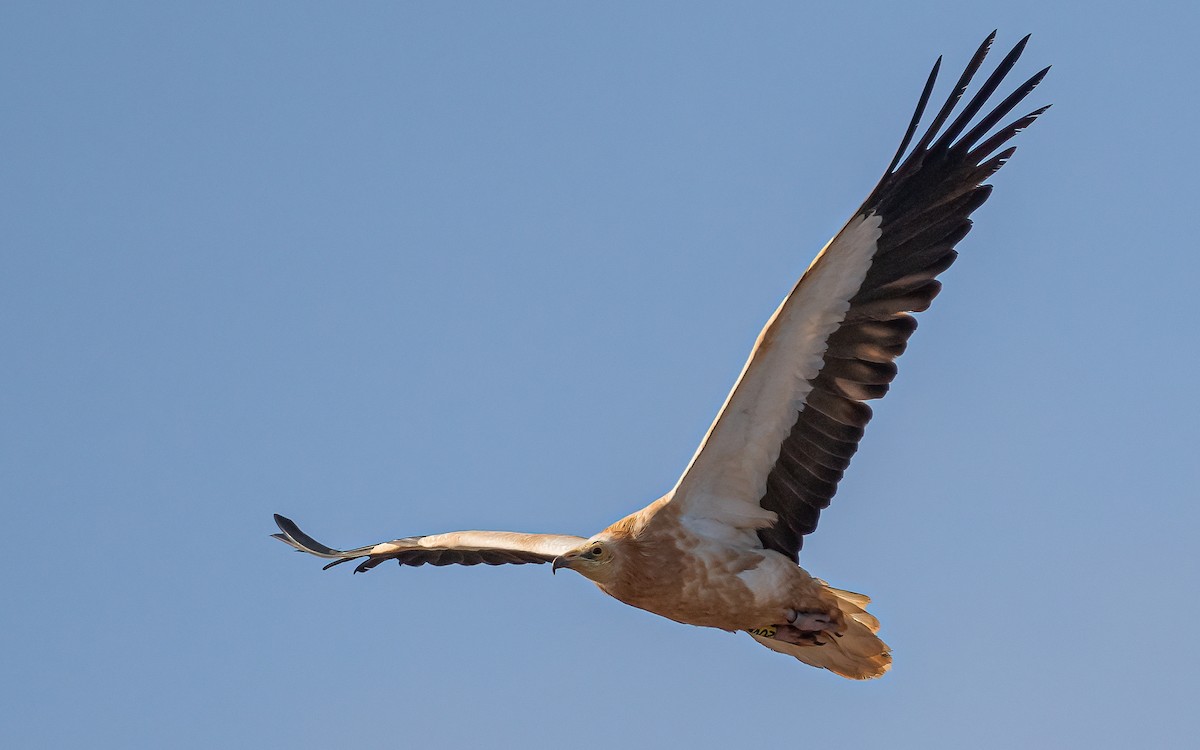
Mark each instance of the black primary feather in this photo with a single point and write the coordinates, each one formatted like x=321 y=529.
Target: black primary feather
x=924 y=201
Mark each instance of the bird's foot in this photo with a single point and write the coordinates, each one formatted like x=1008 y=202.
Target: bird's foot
x=811 y=622
x=804 y=628
x=797 y=637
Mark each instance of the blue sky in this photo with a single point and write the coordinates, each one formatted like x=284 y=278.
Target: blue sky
x=396 y=268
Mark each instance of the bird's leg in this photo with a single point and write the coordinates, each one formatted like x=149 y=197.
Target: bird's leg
x=809 y=621
x=806 y=628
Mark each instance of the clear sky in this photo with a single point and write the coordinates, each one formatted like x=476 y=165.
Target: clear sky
x=400 y=268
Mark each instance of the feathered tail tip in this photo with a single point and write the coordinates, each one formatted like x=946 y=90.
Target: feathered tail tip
x=857 y=654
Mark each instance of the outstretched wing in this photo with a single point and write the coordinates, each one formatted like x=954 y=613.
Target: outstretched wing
x=773 y=458
x=455 y=548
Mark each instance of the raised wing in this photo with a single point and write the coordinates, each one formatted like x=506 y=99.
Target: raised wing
x=774 y=456
x=455 y=548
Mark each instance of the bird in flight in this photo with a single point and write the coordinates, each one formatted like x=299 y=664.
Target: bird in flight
x=721 y=549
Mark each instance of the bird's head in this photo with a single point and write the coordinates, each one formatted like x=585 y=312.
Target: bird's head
x=595 y=559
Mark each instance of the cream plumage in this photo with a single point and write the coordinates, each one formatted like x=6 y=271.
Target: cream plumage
x=721 y=549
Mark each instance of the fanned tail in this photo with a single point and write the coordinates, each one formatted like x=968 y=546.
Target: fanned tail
x=857 y=653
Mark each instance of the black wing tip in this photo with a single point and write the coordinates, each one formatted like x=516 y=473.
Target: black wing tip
x=953 y=135
x=1037 y=77
x=918 y=113
x=936 y=139
x=288 y=527
x=292 y=534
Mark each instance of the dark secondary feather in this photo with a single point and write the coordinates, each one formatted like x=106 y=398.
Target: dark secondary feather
x=924 y=203
x=292 y=535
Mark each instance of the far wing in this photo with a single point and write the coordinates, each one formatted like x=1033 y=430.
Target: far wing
x=774 y=456
x=455 y=548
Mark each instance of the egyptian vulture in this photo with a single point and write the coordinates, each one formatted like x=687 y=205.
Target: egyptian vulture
x=721 y=549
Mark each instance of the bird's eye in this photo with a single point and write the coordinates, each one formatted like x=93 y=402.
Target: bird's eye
x=597 y=551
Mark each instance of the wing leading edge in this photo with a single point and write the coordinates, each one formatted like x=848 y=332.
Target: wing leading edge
x=454 y=548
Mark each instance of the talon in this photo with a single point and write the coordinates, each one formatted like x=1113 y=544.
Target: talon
x=810 y=621
x=795 y=636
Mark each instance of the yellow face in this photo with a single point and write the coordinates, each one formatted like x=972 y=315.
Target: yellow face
x=591 y=560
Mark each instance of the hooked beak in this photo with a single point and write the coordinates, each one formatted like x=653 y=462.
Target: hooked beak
x=562 y=561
